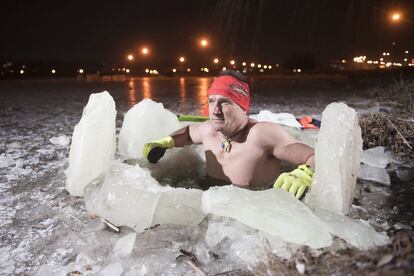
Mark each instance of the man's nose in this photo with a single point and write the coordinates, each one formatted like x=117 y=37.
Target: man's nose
x=216 y=109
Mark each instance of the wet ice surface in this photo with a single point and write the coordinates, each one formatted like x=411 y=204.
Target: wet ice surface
x=45 y=229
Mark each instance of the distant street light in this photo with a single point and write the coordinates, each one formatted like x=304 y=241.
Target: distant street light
x=144 y=51
x=204 y=42
x=232 y=62
x=396 y=17
x=181 y=59
x=53 y=71
x=81 y=71
x=130 y=57
x=216 y=60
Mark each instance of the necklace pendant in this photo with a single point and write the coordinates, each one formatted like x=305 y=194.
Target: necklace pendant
x=227 y=145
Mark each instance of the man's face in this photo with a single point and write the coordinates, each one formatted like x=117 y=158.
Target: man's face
x=225 y=115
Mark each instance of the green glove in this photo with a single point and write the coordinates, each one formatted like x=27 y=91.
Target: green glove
x=154 y=150
x=297 y=182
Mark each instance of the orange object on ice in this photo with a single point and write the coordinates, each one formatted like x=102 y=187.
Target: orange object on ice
x=306 y=122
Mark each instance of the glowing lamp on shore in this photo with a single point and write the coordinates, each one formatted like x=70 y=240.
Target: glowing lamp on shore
x=216 y=60
x=53 y=71
x=174 y=70
x=181 y=59
x=130 y=57
x=244 y=63
x=80 y=71
x=395 y=17
x=21 y=72
x=145 y=51
x=203 y=42
x=252 y=64
x=232 y=62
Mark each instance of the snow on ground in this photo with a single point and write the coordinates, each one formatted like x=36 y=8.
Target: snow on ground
x=44 y=229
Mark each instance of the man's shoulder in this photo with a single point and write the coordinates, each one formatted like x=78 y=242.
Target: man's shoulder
x=257 y=126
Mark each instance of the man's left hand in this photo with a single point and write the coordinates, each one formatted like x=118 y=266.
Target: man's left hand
x=297 y=182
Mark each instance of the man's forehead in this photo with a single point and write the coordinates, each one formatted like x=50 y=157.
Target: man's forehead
x=219 y=97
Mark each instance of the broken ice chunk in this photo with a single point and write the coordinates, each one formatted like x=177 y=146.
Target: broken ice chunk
x=130 y=196
x=93 y=143
x=337 y=159
x=113 y=269
x=376 y=157
x=6 y=161
x=61 y=140
x=232 y=238
x=144 y=122
x=358 y=234
x=124 y=245
x=273 y=211
x=375 y=174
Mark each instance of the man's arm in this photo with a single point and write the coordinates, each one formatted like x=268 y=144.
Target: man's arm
x=154 y=150
x=187 y=135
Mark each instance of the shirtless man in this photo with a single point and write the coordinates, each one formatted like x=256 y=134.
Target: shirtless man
x=239 y=150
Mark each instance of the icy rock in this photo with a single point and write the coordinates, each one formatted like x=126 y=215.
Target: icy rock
x=275 y=212
x=375 y=174
x=93 y=143
x=337 y=159
x=358 y=234
x=114 y=269
x=286 y=119
x=61 y=140
x=144 y=122
x=129 y=195
x=124 y=245
x=376 y=157
x=6 y=161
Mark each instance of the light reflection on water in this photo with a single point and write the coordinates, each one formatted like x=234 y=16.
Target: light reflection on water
x=203 y=84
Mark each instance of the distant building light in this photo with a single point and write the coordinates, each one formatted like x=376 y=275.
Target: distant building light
x=369 y=61
x=216 y=60
x=259 y=65
x=294 y=70
x=406 y=52
x=244 y=63
x=375 y=62
x=261 y=70
x=406 y=59
x=232 y=62
x=384 y=54
x=381 y=59
x=188 y=70
x=206 y=70
x=80 y=71
x=224 y=68
x=299 y=70
x=343 y=61
x=53 y=71
x=388 y=64
x=265 y=66
x=130 y=57
x=147 y=70
x=174 y=70
x=277 y=65
x=127 y=71
x=181 y=59
x=252 y=64
x=270 y=66
x=21 y=72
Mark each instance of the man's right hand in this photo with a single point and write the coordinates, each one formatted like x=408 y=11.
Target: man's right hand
x=154 y=150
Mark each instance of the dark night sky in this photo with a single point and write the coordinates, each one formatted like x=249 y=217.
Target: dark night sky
x=268 y=30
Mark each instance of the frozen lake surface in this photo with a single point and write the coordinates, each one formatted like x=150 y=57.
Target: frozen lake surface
x=44 y=229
